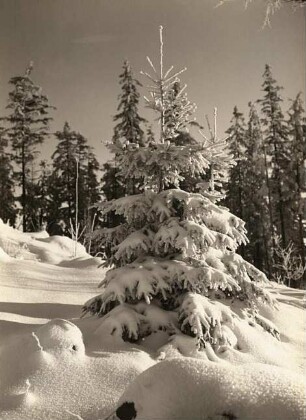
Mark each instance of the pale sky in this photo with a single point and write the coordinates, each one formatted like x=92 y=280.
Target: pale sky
x=78 y=47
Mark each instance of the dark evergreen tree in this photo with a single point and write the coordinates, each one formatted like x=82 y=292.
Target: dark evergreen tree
x=112 y=188
x=127 y=130
x=74 y=168
x=235 y=198
x=256 y=196
x=28 y=127
x=8 y=209
x=38 y=197
x=128 y=121
x=276 y=140
x=297 y=168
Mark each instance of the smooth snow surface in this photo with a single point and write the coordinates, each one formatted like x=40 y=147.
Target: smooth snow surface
x=56 y=366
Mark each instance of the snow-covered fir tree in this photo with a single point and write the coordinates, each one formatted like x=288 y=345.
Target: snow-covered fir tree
x=179 y=113
x=7 y=200
x=173 y=257
x=178 y=121
x=27 y=128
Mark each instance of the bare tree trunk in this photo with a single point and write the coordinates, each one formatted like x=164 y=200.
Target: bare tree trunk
x=23 y=194
x=269 y=198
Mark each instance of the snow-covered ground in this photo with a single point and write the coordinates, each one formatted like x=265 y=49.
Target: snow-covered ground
x=54 y=365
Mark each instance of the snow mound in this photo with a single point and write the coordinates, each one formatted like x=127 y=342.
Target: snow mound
x=64 y=244
x=60 y=335
x=56 y=249
x=37 y=235
x=185 y=388
x=82 y=262
x=38 y=246
x=43 y=377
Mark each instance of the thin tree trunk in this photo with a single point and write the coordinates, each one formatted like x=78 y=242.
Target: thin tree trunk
x=23 y=194
x=300 y=222
x=267 y=255
x=269 y=198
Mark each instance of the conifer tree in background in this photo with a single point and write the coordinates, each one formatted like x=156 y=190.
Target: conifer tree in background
x=173 y=256
x=266 y=185
x=27 y=128
x=71 y=151
x=296 y=125
x=235 y=199
x=256 y=196
x=92 y=195
x=38 y=193
x=68 y=148
x=112 y=188
x=277 y=142
x=7 y=200
x=128 y=129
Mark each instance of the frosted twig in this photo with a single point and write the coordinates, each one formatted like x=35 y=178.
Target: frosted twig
x=151 y=64
x=37 y=341
x=168 y=71
x=28 y=386
x=74 y=415
x=161 y=85
x=144 y=73
x=215 y=122
x=209 y=127
x=161 y=51
x=203 y=135
x=110 y=416
x=175 y=75
x=182 y=90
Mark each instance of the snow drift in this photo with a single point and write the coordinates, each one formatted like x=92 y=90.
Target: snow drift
x=190 y=388
x=56 y=366
x=38 y=246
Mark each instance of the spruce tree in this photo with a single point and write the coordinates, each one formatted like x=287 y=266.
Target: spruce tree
x=173 y=256
x=73 y=156
x=28 y=127
x=40 y=199
x=276 y=139
x=128 y=128
x=256 y=196
x=7 y=200
x=235 y=199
